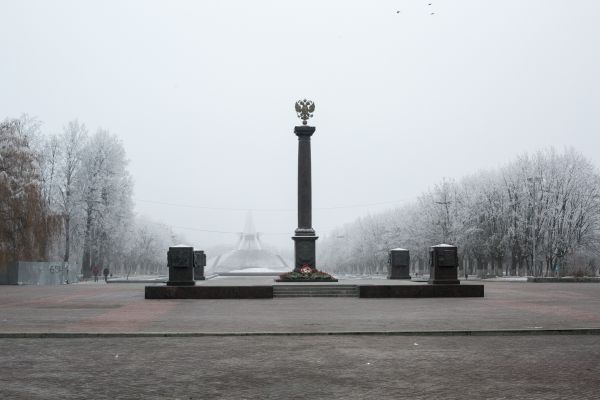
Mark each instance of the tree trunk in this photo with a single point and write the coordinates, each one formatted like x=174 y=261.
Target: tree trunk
x=513 y=263
x=86 y=268
x=67 y=237
x=520 y=271
x=481 y=265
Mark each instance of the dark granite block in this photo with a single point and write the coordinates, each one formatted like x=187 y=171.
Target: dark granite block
x=209 y=292
x=443 y=264
x=416 y=291
x=399 y=264
x=180 y=260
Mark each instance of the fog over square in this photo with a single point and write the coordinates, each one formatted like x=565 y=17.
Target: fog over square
x=226 y=199
x=202 y=95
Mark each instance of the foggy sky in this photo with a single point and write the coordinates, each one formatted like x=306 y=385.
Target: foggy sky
x=202 y=95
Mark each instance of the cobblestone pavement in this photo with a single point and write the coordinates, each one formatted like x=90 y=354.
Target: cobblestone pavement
x=122 y=308
x=299 y=367
x=322 y=367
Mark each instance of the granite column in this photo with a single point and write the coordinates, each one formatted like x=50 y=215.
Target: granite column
x=304 y=237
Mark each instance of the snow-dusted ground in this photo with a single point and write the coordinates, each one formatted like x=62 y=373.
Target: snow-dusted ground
x=124 y=278
x=359 y=276
x=505 y=279
x=425 y=277
x=262 y=270
x=255 y=270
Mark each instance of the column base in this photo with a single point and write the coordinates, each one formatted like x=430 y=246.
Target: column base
x=443 y=282
x=181 y=283
x=304 y=251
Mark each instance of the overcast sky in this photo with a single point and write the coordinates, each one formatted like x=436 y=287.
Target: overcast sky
x=202 y=94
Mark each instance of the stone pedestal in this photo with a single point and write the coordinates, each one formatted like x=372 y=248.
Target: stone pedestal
x=305 y=237
x=443 y=264
x=304 y=250
x=199 y=264
x=180 y=260
x=399 y=264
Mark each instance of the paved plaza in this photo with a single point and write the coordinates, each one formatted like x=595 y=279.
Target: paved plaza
x=122 y=308
x=319 y=365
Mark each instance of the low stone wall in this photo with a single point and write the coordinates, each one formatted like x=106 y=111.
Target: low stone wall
x=38 y=273
x=570 y=279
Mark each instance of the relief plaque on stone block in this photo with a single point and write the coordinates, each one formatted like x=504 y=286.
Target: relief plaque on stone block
x=399 y=264
x=199 y=264
x=399 y=258
x=447 y=258
x=443 y=264
x=180 y=260
x=199 y=258
x=180 y=257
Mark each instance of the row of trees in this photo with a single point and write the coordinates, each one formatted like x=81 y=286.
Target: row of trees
x=68 y=197
x=539 y=215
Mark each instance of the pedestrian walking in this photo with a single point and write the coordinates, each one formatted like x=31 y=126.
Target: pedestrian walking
x=106 y=272
x=95 y=272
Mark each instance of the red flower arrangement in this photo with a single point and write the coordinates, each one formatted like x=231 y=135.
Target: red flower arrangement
x=306 y=273
x=307 y=269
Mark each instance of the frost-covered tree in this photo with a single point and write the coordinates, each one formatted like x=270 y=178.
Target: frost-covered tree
x=147 y=244
x=106 y=189
x=537 y=215
x=70 y=196
x=27 y=224
x=67 y=185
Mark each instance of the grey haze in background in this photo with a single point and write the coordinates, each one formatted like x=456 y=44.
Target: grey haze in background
x=202 y=94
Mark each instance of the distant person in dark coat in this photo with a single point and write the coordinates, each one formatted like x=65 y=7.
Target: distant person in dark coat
x=105 y=272
x=95 y=272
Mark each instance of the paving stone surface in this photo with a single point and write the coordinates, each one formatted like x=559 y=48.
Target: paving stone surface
x=299 y=367
x=321 y=367
x=122 y=308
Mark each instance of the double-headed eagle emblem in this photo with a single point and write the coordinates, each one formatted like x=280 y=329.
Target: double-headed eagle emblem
x=304 y=109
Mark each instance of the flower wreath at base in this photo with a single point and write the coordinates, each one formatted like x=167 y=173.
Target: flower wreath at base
x=306 y=273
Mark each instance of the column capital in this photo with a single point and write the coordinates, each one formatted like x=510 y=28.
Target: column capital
x=304 y=130
x=304 y=232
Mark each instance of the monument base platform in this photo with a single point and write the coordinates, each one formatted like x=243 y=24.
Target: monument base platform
x=415 y=291
x=209 y=292
x=264 y=288
x=444 y=282
x=184 y=283
x=306 y=281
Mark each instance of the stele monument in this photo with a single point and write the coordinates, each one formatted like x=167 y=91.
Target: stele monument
x=304 y=236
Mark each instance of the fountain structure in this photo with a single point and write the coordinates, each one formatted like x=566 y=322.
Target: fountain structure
x=250 y=257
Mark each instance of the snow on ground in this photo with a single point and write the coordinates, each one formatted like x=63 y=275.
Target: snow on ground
x=254 y=270
x=506 y=279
